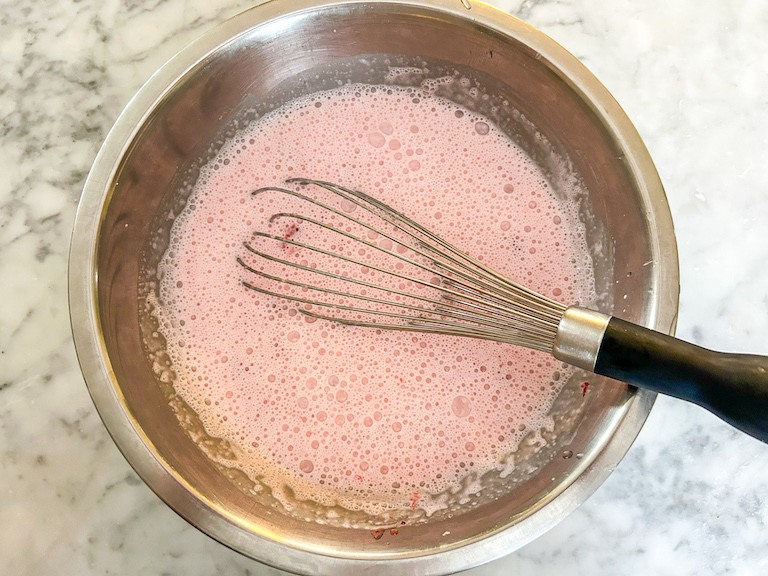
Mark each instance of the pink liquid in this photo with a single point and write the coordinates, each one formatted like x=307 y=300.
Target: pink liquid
x=347 y=415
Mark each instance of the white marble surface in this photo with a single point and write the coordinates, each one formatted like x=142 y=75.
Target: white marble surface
x=691 y=497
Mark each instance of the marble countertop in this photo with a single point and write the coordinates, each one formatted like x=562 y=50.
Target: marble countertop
x=690 y=498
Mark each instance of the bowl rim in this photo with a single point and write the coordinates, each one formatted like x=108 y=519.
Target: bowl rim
x=170 y=487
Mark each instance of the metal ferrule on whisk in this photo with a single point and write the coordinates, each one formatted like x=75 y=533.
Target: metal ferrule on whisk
x=579 y=336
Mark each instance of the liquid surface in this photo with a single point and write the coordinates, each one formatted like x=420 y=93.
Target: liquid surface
x=345 y=415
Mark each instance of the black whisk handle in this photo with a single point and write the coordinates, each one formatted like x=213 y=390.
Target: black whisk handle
x=732 y=386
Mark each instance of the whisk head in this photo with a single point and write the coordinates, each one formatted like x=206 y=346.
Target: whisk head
x=346 y=257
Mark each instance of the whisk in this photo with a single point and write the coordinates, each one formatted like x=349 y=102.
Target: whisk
x=464 y=297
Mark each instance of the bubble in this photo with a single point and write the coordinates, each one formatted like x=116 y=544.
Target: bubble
x=376 y=139
x=482 y=128
x=293 y=336
x=306 y=466
x=461 y=406
x=508 y=188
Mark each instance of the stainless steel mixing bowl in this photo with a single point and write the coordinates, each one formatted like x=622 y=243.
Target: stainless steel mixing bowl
x=264 y=56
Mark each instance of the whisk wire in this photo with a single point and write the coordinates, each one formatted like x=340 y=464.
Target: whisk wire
x=457 y=312
x=475 y=301
x=394 y=218
x=461 y=258
x=481 y=314
x=487 y=271
x=505 y=337
x=511 y=293
x=437 y=325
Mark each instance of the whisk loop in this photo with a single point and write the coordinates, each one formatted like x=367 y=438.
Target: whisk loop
x=472 y=299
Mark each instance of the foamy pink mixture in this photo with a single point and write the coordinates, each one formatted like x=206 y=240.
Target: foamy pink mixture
x=348 y=415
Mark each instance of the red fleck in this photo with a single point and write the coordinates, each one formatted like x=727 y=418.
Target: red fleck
x=584 y=387
x=358 y=477
x=401 y=380
x=377 y=534
x=289 y=234
x=402 y=523
x=415 y=500
x=393 y=532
